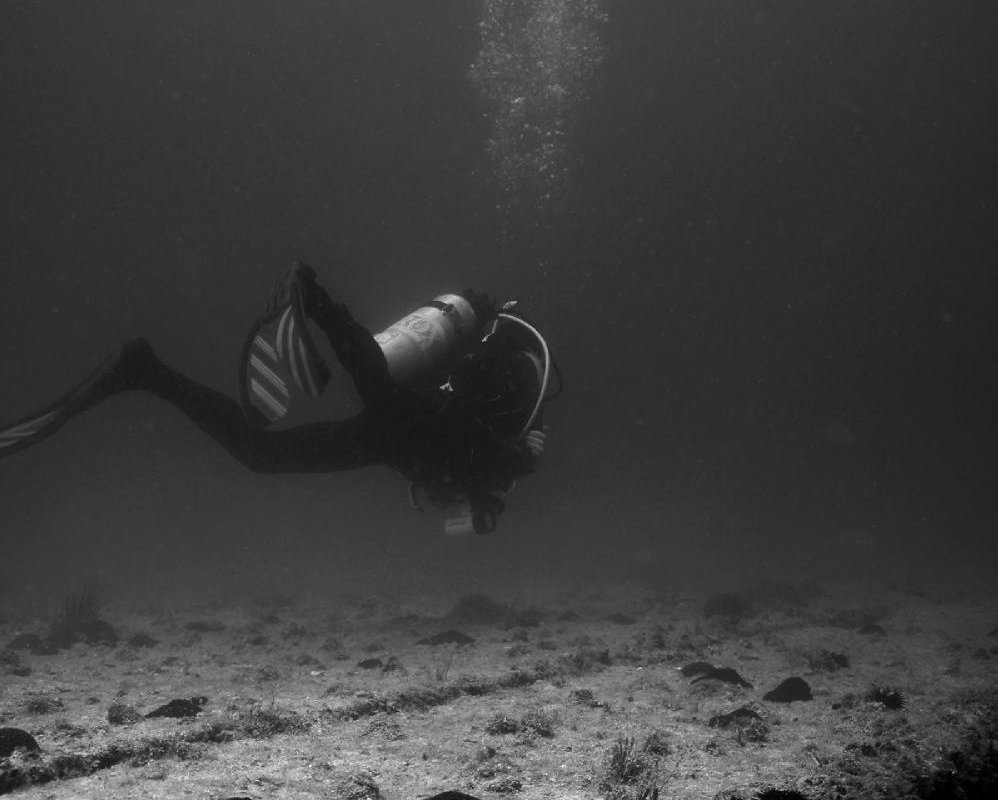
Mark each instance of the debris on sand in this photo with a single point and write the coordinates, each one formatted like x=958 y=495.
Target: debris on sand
x=790 y=690
x=121 y=714
x=695 y=668
x=447 y=637
x=722 y=675
x=179 y=708
x=739 y=716
x=887 y=697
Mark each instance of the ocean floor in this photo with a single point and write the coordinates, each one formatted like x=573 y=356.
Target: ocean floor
x=572 y=692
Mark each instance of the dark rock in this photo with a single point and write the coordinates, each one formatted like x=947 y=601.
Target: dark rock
x=827 y=661
x=13 y=738
x=621 y=619
x=524 y=619
x=568 y=616
x=872 y=629
x=722 y=675
x=696 y=668
x=479 y=609
x=142 y=640
x=790 y=690
x=370 y=663
x=97 y=631
x=179 y=708
x=452 y=796
x=447 y=637
x=740 y=716
x=120 y=714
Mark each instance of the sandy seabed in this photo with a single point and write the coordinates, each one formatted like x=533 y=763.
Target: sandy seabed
x=569 y=692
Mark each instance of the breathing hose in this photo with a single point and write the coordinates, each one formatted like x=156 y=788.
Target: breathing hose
x=547 y=368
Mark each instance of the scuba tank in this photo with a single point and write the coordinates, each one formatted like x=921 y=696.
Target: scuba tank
x=421 y=346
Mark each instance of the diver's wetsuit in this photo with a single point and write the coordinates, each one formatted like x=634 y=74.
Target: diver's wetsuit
x=439 y=440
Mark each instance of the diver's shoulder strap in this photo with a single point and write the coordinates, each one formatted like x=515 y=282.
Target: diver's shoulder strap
x=280 y=363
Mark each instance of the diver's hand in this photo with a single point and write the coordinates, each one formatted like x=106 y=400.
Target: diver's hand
x=289 y=289
x=534 y=442
x=301 y=271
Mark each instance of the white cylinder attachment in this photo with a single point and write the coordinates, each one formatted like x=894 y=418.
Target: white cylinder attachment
x=421 y=345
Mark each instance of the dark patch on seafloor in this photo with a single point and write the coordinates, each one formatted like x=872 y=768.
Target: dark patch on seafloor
x=447 y=637
x=738 y=716
x=179 y=708
x=722 y=675
x=789 y=691
x=13 y=738
x=76 y=620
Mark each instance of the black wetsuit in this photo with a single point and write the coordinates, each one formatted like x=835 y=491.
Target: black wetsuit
x=443 y=441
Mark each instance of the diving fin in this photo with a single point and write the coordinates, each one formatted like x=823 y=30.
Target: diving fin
x=33 y=428
x=280 y=363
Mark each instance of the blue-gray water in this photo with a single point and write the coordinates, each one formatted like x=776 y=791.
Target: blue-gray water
x=764 y=266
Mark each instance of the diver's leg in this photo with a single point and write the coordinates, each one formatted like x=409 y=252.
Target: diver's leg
x=353 y=344
x=322 y=447
x=333 y=446
x=140 y=369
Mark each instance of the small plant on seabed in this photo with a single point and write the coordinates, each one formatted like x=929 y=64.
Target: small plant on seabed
x=502 y=724
x=538 y=723
x=77 y=609
x=439 y=671
x=625 y=766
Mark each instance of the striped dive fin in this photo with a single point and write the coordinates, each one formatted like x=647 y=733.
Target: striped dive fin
x=37 y=426
x=268 y=391
x=281 y=365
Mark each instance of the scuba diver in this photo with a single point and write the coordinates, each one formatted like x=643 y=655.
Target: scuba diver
x=452 y=397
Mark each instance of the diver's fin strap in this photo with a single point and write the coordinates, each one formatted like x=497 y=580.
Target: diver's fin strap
x=280 y=362
x=31 y=429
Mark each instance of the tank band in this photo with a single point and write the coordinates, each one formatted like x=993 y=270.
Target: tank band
x=450 y=312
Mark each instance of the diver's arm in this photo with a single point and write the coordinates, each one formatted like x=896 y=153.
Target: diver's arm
x=522 y=455
x=353 y=344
